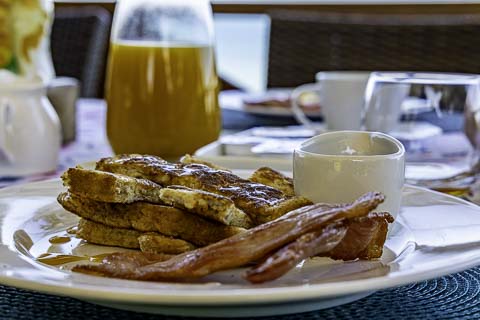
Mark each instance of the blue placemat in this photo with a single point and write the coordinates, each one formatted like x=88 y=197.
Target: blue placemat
x=451 y=297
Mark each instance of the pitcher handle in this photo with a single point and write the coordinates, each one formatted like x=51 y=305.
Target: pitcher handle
x=6 y=127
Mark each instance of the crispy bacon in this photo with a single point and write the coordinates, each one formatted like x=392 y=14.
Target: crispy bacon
x=364 y=239
x=129 y=260
x=238 y=250
x=357 y=238
x=310 y=244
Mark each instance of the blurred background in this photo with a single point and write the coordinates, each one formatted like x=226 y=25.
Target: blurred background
x=263 y=50
x=247 y=39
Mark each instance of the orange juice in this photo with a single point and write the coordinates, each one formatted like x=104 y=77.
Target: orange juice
x=162 y=100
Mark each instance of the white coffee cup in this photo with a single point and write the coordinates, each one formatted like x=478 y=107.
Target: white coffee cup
x=341 y=95
x=340 y=166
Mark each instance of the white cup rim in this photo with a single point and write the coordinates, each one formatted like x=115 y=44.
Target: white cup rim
x=396 y=143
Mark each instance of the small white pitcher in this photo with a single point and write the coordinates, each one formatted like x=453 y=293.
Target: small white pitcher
x=30 y=133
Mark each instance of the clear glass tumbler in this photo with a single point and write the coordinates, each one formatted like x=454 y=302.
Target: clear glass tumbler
x=162 y=86
x=435 y=115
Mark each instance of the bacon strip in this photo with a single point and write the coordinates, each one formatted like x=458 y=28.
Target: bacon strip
x=364 y=239
x=129 y=260
x=359 y=238
x=310 y=244
x=238 y=250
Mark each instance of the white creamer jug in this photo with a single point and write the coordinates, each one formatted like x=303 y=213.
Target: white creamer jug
x=30 y=133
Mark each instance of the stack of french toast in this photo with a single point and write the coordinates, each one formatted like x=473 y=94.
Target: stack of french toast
x=144 y=202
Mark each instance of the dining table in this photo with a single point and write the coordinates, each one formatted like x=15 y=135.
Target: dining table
x=454 y=296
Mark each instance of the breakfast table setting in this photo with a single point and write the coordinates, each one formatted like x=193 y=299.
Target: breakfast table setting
x=353 y=197
x=454 y=295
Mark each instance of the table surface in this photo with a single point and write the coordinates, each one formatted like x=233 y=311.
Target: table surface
x=454 y=296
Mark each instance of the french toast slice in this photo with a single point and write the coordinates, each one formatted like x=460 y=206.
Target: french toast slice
x=147 y=217
x=274 y=179
x=109 y=187
x=127 y=238
x=118 y=188
x=262 y=203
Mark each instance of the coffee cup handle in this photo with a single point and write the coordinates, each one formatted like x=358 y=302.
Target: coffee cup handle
x=296 y=108
x=5 y=129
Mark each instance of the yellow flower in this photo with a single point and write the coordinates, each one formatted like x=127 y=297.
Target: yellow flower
x=5 y=33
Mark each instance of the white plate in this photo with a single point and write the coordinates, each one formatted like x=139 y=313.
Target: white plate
x=434 y=235
x=233 y=100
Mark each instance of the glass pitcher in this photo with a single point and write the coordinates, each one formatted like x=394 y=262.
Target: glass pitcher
x=162 y=86
x=436 y=116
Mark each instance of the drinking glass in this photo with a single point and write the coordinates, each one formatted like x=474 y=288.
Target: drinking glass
x=435 y=115
x=162 y=86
